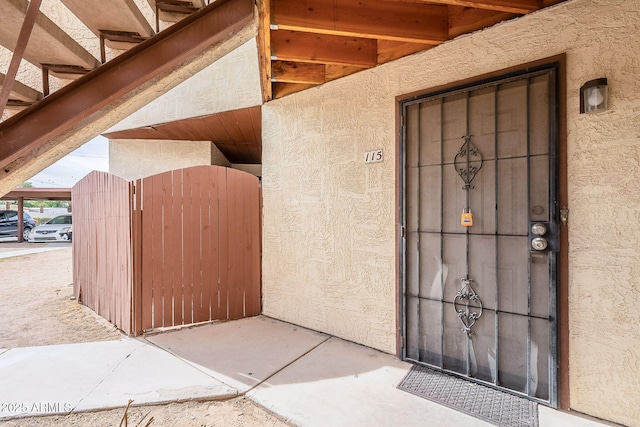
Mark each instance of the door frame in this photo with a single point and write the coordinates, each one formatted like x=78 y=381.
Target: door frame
x=562 y=298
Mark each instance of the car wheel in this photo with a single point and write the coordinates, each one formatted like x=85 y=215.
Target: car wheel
x=25 y=233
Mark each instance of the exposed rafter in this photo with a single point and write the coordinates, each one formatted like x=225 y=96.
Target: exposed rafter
x=311 y=42
x=374 y=19
x=323 y=48
x=298 y=72
x=510 y=6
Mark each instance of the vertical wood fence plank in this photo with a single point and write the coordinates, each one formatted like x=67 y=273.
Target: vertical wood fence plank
x=187 y=244
x=138 y=306
x=146 y=254
x=157 y=232
x=235 y=242
x=254 y=206
x=223 y=244
x=191 y=240
x=174 y=256
x=209 y=198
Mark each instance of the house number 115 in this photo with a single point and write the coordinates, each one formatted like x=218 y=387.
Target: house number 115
x=374 y=156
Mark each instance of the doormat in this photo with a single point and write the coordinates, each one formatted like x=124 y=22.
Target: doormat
x=494 y=406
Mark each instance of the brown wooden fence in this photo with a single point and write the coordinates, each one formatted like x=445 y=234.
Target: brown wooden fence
x=193 y=241
x=102 y=251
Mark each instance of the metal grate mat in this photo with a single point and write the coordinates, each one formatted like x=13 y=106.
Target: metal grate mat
x=494 y=406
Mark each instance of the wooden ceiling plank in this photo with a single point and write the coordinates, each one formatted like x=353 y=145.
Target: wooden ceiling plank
x=463 y=20
x=284 y=89
x=187 y=128
x=218 y=132
x=230 y=125
x=322 y=48
x=170 y=131
x=334 y=72
x=147 y=132
x=390 y=50
x=520 y=7
x=256 y=125
x=297 y=72
x=243 y=121
x=200 y=128
x=401 y=21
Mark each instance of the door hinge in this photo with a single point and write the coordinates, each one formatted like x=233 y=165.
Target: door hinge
x=402 y=231
x=402 y=343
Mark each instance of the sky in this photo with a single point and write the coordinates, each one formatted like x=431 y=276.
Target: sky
x=94 y=155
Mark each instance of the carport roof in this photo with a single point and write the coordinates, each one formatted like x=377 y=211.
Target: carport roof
x=38 y=194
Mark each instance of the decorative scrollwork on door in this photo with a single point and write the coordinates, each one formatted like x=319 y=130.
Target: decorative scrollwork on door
x=462 y=304
x=468 y=162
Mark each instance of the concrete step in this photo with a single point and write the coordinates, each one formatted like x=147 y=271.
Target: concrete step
x=48 y=43
x=114 y=16
x=175 y=10
x=22 y=92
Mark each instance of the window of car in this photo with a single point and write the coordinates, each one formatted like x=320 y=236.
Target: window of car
x=62 y=219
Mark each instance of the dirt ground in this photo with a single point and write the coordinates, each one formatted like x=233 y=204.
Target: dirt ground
x=37 y=308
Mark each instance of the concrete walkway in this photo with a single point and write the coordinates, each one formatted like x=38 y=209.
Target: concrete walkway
x=307 y=378
x=36 y=250
x=9 y=247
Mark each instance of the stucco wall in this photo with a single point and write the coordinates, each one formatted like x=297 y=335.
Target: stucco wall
x=136 y=158
x=329 y=224
x=230 y=83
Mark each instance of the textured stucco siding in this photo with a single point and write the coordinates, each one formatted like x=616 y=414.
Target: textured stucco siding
x=136 y=158
x=230 y=83
x=329 y=220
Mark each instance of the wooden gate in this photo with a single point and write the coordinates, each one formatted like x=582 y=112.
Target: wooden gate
x=199 y=253
x=193 y=241
x=102 y=252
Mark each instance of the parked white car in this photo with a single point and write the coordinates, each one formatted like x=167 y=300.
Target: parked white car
x=56 y=229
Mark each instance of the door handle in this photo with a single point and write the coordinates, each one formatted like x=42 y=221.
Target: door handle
x=543 y=236
x=539 y=244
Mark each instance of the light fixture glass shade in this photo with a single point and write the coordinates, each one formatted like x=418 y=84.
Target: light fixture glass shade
x=594 y=96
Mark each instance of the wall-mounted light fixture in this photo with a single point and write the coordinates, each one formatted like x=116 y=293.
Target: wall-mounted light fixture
x=594 y=96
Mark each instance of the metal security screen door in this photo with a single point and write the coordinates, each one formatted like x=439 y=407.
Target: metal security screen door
x=481 y=233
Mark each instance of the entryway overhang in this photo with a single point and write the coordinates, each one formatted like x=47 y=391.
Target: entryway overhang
x=236 y=133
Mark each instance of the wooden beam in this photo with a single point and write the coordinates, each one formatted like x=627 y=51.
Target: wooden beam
x=463 y=20
x=409 y=22
x=520 y=7
x=389 y=50
x=284 y=89
x=334 y=72
x=323 y=48
x=297 y=72
x=18 y=52
x=264 y=48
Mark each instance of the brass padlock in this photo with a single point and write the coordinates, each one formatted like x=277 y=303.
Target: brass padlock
x=466 y=219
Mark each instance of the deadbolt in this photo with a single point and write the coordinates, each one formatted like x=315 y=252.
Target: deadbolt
x=539 y=243
x=539 y=229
